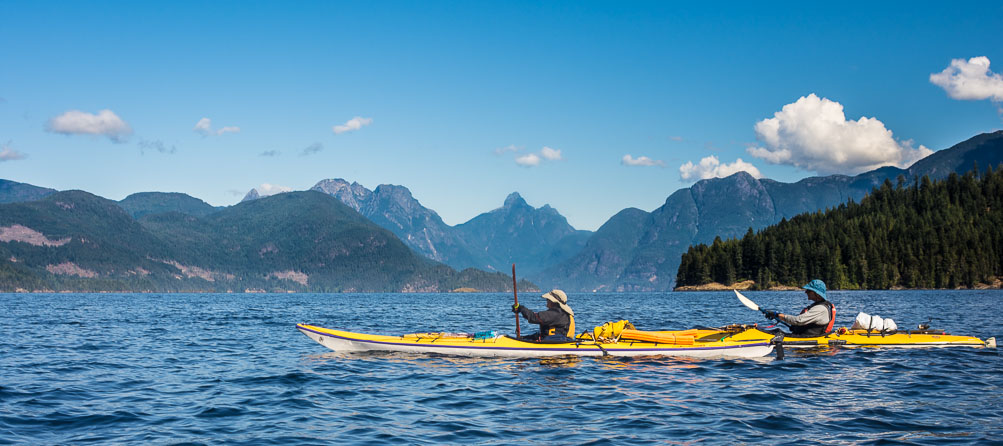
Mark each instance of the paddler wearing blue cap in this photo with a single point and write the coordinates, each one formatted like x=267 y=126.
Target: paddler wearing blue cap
x=815 y=319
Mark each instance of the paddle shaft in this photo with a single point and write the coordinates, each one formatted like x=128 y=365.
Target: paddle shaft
x=516 y=294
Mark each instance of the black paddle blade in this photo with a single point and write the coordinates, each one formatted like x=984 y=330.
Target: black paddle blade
x=778 y=342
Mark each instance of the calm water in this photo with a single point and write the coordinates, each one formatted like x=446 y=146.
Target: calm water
x=233 y=369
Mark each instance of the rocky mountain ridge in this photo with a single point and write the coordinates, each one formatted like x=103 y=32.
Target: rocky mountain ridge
x=646 y=247
x=634 y=250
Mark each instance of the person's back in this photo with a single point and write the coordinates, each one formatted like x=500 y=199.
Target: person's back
x=557 y=322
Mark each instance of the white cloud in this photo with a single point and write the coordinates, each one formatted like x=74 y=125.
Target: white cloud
x=628 y=160
x=813 y=134
x=528 y=160
x=76 y=122
x=204 y=126
x=352 y=124
x=9 y=154
x=550 y=154
x=534 y=159
x=269 y=153
x=271 y=189
x=711 y=167
x=970 y=80
x=506 y=149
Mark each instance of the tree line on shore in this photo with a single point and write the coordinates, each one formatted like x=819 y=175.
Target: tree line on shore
x=943 y=234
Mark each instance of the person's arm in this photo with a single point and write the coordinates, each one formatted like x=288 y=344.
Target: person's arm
x=547 y=317
x=817 y=315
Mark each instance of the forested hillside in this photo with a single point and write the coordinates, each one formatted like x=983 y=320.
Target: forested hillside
x=297 y=241
x=943 y=234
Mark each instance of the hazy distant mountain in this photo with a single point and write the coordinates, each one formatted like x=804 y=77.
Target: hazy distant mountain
x=533 y=238
x=395 y=209
x=301 y=241
x=251 y=195
x=143 y=203
x=14 y=192
x=640 y=251
x=515 y=233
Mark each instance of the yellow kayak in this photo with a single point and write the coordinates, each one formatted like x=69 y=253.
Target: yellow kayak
x=898 y=339
x=746 y=343
x=867 y=338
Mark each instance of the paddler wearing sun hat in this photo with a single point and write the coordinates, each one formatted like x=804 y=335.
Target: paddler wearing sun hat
x=815 y=319
x=557 y=322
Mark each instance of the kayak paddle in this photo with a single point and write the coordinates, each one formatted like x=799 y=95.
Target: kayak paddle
x=777 y=340
x=745 y=301
x=516 y=294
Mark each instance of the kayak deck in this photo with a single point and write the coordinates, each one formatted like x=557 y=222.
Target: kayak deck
x=689 y=343
x=906 y=339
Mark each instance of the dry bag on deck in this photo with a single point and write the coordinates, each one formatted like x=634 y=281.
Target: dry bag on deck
x=865 y=321
x=890 y=326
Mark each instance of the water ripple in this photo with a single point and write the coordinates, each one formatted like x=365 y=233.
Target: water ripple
x=208 y=369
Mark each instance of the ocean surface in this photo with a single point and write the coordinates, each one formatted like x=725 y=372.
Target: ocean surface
x=232 y=368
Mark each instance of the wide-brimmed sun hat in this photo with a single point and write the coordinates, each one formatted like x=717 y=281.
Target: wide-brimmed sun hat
x=558 y=297
x=817 y=286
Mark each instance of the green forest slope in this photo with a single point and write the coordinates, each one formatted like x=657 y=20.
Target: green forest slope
x=943 y=234
x=297 y=241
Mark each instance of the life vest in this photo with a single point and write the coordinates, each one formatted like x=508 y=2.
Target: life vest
x=816 y=329
x=560 y=330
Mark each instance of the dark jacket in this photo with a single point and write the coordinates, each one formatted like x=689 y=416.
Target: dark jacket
x=552 y=321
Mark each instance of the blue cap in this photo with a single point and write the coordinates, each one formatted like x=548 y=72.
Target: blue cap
x=817 y=286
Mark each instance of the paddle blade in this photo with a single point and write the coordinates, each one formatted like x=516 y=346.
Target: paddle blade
x=745 y=301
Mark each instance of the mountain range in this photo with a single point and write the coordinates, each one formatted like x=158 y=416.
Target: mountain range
x=532 y=238
x=297 y=241
x=635 y=250
x=640 y=251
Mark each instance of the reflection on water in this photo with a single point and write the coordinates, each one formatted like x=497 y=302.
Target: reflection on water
x=233 y=369
x=560 y=361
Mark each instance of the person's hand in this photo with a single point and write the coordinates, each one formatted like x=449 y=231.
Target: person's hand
x=770 y=314
x=515 y=308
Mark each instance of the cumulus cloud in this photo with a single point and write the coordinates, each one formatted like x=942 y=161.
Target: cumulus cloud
x=76 y=122
x=970 y=80
x=269 y=153
x=550 y=154
x=9 y=154
x=813 y=134
x=534 y=159
x=156 y=145
x=711 y=167
x=628 y=160
x=506 y=149
x=204 y=127
x=312 y=149
x=352 y=124
x=528 y=160
x=267 y=189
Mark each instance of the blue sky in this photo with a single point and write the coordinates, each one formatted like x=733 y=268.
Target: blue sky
x=466 y=102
